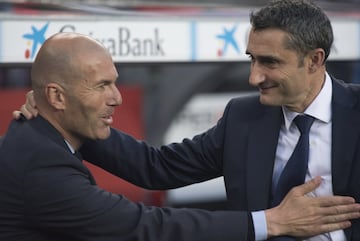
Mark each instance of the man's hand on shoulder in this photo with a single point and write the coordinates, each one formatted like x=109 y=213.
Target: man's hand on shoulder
x=27 y=110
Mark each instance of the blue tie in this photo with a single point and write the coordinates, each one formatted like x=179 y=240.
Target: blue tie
x=295 y=170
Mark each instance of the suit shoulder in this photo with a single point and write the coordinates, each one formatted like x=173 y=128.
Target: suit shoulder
x=246 y=100
x=25 y=141
x=353 y=87
x=249 y=103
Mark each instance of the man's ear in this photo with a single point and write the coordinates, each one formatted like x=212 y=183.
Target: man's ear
x=55 y=96
x=316 y=59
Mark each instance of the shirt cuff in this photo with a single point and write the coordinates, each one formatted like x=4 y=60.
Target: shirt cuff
x=260 y=226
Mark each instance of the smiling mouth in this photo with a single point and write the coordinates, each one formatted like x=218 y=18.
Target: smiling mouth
x=266 y=87
x=108 y=119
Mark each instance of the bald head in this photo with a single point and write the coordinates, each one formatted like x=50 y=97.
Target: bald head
x=74 y=82
x=62 y=59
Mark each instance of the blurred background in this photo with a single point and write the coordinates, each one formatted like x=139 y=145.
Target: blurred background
x=179 y=63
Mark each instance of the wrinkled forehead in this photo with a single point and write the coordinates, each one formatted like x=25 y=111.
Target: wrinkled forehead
x=266 y=40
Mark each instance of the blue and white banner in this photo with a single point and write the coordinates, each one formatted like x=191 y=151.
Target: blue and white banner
x=158 y=40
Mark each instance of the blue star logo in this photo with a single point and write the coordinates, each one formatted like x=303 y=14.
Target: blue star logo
x=228 y=37
x=37 y=36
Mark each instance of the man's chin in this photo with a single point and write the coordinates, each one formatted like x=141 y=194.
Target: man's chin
x=265 y=100
x=104 y=134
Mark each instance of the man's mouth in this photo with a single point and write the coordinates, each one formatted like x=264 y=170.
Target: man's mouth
x=265 y=87
x=108 y=119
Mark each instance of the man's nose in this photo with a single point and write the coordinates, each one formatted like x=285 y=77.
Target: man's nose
x=116 y=98
x=256 y=75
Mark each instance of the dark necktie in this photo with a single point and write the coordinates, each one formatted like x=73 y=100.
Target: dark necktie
x=295 y=170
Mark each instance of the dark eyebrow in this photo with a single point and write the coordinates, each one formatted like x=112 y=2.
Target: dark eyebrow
x=268 y=59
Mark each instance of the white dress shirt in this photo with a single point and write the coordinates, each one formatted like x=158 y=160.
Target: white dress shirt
x=72 y=150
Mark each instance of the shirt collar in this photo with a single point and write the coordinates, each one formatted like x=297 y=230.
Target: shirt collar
x=70 y=147
x=320 y=108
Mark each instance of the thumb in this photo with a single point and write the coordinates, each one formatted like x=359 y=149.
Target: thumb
x=16 y=114
x=309 y=186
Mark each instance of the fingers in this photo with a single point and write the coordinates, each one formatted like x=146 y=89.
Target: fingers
x=30 y=101
x=337 y=204
x=16 y=114
x=301 y=215
x=311 y=185
x=304 y=217
x=29 y=114
x=28 y=110
x=325 y=228
x=340 y=220
x=307 y=187
x=340 y=213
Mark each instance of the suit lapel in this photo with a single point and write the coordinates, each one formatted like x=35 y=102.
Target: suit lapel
x=263 y=139
x=46 y=129
x=344 y=139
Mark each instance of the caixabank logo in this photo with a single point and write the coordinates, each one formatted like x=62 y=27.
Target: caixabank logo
x=228 y=40
x=35 y=39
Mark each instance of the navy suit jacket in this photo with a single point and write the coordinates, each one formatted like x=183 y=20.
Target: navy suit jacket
x=46 y=193
x=241 y=147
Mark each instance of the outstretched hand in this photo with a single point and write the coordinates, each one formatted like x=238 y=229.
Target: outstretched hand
x=28 y=109
x=302 y=216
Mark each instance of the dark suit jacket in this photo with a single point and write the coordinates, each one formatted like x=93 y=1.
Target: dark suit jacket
x=46 y=193
x=241 y=147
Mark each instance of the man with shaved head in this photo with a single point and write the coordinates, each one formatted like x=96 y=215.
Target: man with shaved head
x=73 y=79
x=47 y=193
